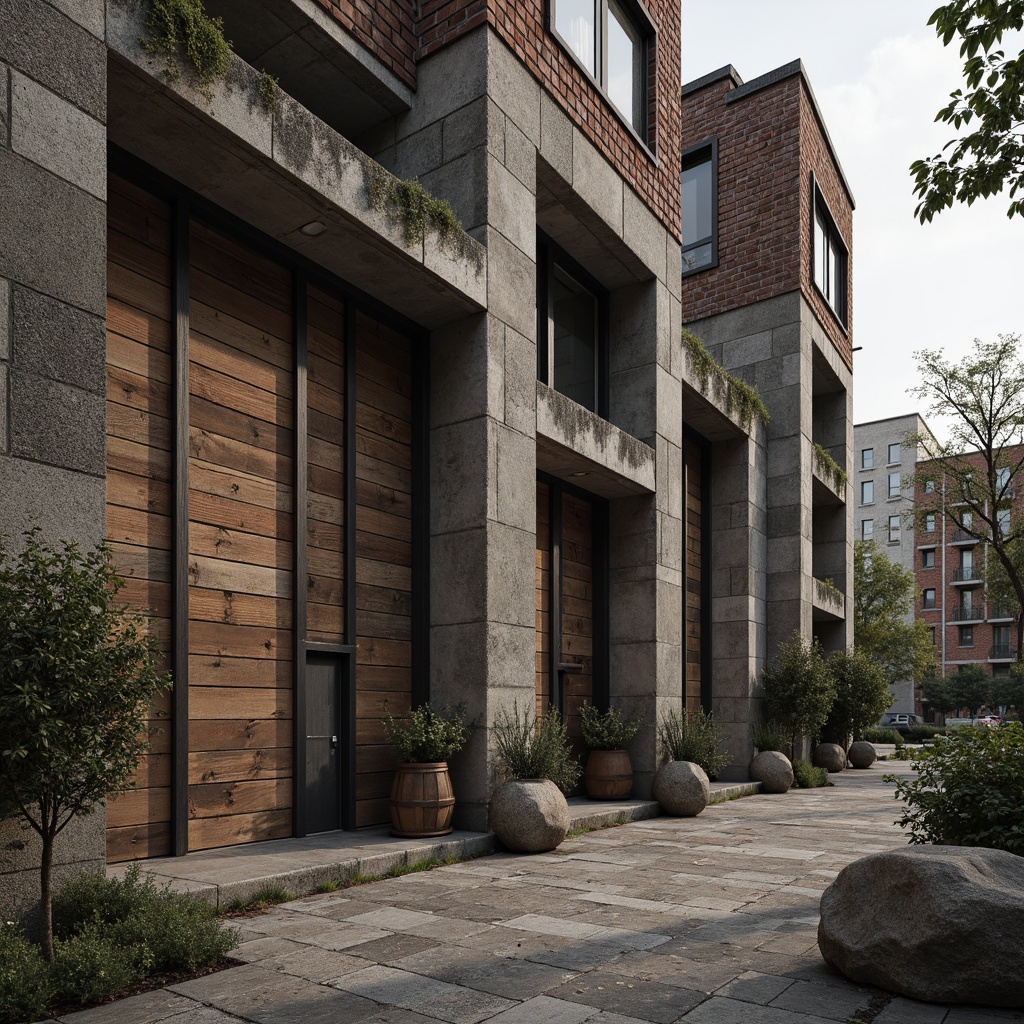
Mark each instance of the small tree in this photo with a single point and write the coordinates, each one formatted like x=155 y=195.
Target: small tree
x=971 y=688
x=799 y=689
x=77 y=675
x=862 y=695
x=1008 y=690
x=937 y=693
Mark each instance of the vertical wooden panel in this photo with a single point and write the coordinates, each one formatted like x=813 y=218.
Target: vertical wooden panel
x=384 y=532
x=543 y=597
x=577 y=611
x=140 y=430
x=693 y=598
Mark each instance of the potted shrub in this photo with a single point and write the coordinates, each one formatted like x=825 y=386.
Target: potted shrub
x=691 y=743
x=422 y=799
x=529 y=813
x=609 y=773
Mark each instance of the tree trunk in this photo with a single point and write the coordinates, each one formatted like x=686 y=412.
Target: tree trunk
x=1020 y=636
x=46 y=899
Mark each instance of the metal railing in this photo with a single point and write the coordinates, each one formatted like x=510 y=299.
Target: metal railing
x=963 y=537
x=966 y=574
x=968 y=613
x=1003 y=652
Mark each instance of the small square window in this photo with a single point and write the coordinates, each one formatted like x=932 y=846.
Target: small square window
x=699 y=184
x=867 y=458
x=894 y=529
x=894 y=485
x=966 y=636
x=928 y=558
x=928 y=598
x=830 y=261
x=867 y=492
x=867 y=529
x=894 y=453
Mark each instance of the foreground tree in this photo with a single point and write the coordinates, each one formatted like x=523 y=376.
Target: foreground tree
x=862 y=695
x=937 y=693
x=883 y=598
x=970 y=688
x=799 y=689
x=973 y=476
x=77 y=675
x=989 y=155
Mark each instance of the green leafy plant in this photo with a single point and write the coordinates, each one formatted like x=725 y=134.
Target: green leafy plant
x=182 y=27
x=693 y=736
x=95 y=965
x=529 y=749
x=882 y=736
x=428 y=736
x=968 y=791
x=25 y=986
x=78 y=673
x=769 y=734
x=806 y=776
x=862 y=696
x=829 y=468
x=608 y=730
x=799 y=688
x=738 y=396
x=413 y=206
x=923 y=733
x=266 y=89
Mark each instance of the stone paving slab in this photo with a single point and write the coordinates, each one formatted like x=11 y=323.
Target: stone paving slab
x=708 y=920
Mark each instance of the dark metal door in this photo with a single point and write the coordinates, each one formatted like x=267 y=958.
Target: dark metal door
x=323 y=735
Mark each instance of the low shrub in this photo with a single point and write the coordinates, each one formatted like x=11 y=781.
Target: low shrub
x=693 y=736
x=528 y=749
x=920 y=733
x=771 y=735
x=95 y=965
x=882 y=736
x=608 y=730
x=24 y=979
x=806 y=776
x=969 y=790
x=428 y=736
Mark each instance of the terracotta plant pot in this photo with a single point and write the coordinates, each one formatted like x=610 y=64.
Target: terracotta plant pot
x=422 y=800
x=609 y=775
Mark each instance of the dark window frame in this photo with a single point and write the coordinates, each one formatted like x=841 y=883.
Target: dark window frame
x=870 y=484
x=692 y=156
x=819 y=206
x=549 y=254
x=925 y=564
x=643 y=21
x=870 y=463
x=965 y=638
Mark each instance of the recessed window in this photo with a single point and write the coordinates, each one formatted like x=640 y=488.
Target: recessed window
x=572 y=327
x=610 y=40
x=928 y=558
x=699 y=186
x=1003 y=483
x=894 y=529
x=867 y=529
x=934 y=636
x=929 y=522
x=829 y=257
x=928 y=598
x=966 y=636
x=894 y=453
x=929 y=487
x=867 y=458
x=894 y=485
x=867 y=492
x=1003 y=518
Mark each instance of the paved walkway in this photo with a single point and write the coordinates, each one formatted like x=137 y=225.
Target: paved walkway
x=709 y=920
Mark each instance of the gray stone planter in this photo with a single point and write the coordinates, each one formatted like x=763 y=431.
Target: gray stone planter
x=682 y=788
x=529 y=815
x=773 y=770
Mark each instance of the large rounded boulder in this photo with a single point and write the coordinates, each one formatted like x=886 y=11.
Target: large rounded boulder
x=830 y=756
x=773 y=770
x=861 y=754
x=682 y=788
x=529 y=815
x=943 y=924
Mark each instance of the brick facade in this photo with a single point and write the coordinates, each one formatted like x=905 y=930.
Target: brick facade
x=770 y=143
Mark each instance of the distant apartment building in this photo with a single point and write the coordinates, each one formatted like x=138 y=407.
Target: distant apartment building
x=886 y=459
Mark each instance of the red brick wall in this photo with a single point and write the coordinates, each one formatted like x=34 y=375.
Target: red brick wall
x=385 y=27
x=769 y=143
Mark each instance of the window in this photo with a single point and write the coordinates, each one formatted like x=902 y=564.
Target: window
x=894 y=529
x=1003 y=518
x=928 y=598
x=867 y=458
x=700 y=207
x=967 y=561
x=894 y=453
x=929 y=487
x=609 y=39
x=966 y=636
x=1002 y=480
x=928 y=558
x=867 y=492
x=934 y=636
x=894 y=485
x=867 y=529
x=829 y=257
x=929 y=522
x=572 y=334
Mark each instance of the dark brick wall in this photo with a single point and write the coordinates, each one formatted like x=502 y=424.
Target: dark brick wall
x=769 y=144
x=385 y=27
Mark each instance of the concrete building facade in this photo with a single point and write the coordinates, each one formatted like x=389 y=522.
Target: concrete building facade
x=352 y=462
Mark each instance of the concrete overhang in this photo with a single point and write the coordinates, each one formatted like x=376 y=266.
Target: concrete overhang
x=829 y=604
x=279 y=171
x=580 y=447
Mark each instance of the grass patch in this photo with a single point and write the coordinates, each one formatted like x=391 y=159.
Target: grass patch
x=268 y=896
x=621 y=819
x=806 y=776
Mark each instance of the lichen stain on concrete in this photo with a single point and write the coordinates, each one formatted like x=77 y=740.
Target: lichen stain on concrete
x=293 y=133
x=576 y=425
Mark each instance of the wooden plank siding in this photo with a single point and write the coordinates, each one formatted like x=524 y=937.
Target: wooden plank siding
x=577 y=610
x=693 y=610
x=545 y=694
x=241 y=530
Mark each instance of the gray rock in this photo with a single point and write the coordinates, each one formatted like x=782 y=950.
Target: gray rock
x=940 y=923
x=829 y=756
x=682 y=788
x=773 y=770
x=529 y=815
x=861 y=754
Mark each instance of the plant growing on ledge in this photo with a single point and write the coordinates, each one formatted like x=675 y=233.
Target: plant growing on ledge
x=266 y=89
x=411 y=204
x=174 y=27
x=693 y=736
x=740 y=397
x=829 y=468
x=609 y=773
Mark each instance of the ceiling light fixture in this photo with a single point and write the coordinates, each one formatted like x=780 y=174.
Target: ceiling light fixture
x=313 y=228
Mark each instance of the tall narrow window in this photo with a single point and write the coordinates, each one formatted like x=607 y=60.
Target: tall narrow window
x=867 y=492
x=867 y=529
x=867 y=458
x=700 y=208
x=626 y=66
x=894 y=453
x=894 y=529
x=829 y=257
x=894 y=485
x=576 y=23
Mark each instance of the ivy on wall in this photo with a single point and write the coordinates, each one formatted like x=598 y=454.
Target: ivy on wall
x=829 y=468
x=740 y=397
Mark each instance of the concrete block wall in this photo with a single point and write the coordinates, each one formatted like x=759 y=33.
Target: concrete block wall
x=52 y=345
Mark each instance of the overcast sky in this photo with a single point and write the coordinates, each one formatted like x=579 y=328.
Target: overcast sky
x=880 y=75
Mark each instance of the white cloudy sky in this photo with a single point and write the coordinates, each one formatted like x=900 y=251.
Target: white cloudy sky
x=880 y=75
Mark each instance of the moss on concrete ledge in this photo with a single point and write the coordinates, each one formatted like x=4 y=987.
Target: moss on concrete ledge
x=738 y=396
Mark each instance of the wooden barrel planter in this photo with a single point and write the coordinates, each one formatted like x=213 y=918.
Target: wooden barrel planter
x=422 y=800
x=609 y=775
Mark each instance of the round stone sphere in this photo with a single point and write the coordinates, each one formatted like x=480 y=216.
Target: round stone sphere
x=861 y=754
x=772 y=769
x=529 y=815
x=682 y=788
x=830 y=756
